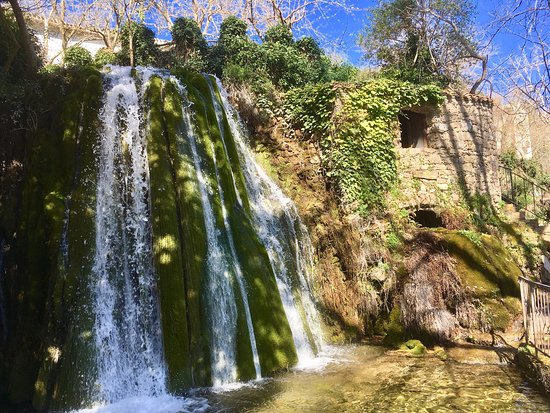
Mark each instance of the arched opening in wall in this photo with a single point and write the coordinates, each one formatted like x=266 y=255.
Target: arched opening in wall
x=414 y=129
x=427 y=218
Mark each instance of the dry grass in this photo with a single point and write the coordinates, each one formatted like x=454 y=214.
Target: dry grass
x=432 y=298
x=455 y=219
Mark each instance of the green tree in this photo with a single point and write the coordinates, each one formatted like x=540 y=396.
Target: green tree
x=424 y=40
x=138 y=40
x=191 y=48
x=23 y=39
x=235 y=54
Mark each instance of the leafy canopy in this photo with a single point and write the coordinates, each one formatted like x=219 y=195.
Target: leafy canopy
x=77 y=56
x=146 y=52
x=422 y=40
x=191 y=49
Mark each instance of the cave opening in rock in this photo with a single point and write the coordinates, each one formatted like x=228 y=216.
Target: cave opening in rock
x=427 y=218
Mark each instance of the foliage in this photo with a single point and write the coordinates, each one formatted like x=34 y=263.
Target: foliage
x=310 y=108
x=77 y=56
x=104 y=57
x=279 y=34
x=277 y=63
x=530 y=167
x=343 y=72
x=191 y=48
x=428 y=41
x=11 y=56
x=145 y=50
x=357 y=141
x=474 y=237
x=236 y=51
x=15 y=61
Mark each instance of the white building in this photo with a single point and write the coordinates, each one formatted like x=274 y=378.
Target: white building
x=87 y=39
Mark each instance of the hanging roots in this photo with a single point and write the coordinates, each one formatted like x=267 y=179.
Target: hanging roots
x=432 y=298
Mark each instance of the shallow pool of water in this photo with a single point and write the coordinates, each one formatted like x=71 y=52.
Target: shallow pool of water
x=367 y=379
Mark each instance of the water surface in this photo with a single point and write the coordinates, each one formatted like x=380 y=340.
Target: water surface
x=366 y=379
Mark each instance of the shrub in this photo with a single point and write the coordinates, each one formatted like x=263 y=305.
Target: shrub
x=234 y=48
x=188 y=37
x=104 y=57
x=232 y=27
x=77 y=56
x=279 y=34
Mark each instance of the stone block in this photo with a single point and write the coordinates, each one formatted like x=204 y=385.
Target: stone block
x=426 y=174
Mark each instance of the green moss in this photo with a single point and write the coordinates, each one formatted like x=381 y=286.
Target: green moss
x=489 y=273
x=231 y=153
x=414 y=348
x=68 y=366
x=395 y=332
x=167 y=251
x=273 y=335
x=192 y=233
x=209 y=146
x=48 y=290
x=440 y=353
x=77 y=372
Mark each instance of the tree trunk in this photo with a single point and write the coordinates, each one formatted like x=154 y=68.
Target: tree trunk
x=13 y=44
x=131 y=46
x=25 y=39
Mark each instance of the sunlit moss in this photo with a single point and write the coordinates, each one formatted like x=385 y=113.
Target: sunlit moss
x=168 y=261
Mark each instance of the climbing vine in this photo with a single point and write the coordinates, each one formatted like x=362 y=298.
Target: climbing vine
x=310 y=108
x=355 y=125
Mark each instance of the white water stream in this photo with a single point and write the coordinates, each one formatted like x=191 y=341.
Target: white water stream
x=223 y=310
x=127 y=329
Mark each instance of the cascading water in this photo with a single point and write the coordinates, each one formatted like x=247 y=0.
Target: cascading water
x=199 y=270
x=231 y=240
x=282 y=231
x=128 y=337
x=223 y=311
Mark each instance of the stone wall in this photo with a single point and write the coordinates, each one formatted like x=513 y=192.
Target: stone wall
x=461 y=157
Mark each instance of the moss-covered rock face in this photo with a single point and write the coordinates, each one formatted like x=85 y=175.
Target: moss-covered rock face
x=414 y=348
x=52 y=320
x=221 y=165
x=489 y=273
x=453 y=280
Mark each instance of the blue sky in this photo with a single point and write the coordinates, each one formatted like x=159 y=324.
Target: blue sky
x=342 y=29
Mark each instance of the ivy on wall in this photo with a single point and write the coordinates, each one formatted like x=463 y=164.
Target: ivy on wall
x=355 y=126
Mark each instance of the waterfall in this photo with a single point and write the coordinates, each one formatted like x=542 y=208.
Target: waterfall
x=277 y=221
x=239 y=275
x=127 y=333
x=201 y=270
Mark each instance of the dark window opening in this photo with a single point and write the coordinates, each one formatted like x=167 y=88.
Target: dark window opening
x=413 y=129
x=427 y=218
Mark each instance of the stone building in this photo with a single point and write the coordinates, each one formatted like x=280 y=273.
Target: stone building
x=449 y=152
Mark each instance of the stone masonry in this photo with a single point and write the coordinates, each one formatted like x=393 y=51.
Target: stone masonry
x=461 y=157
